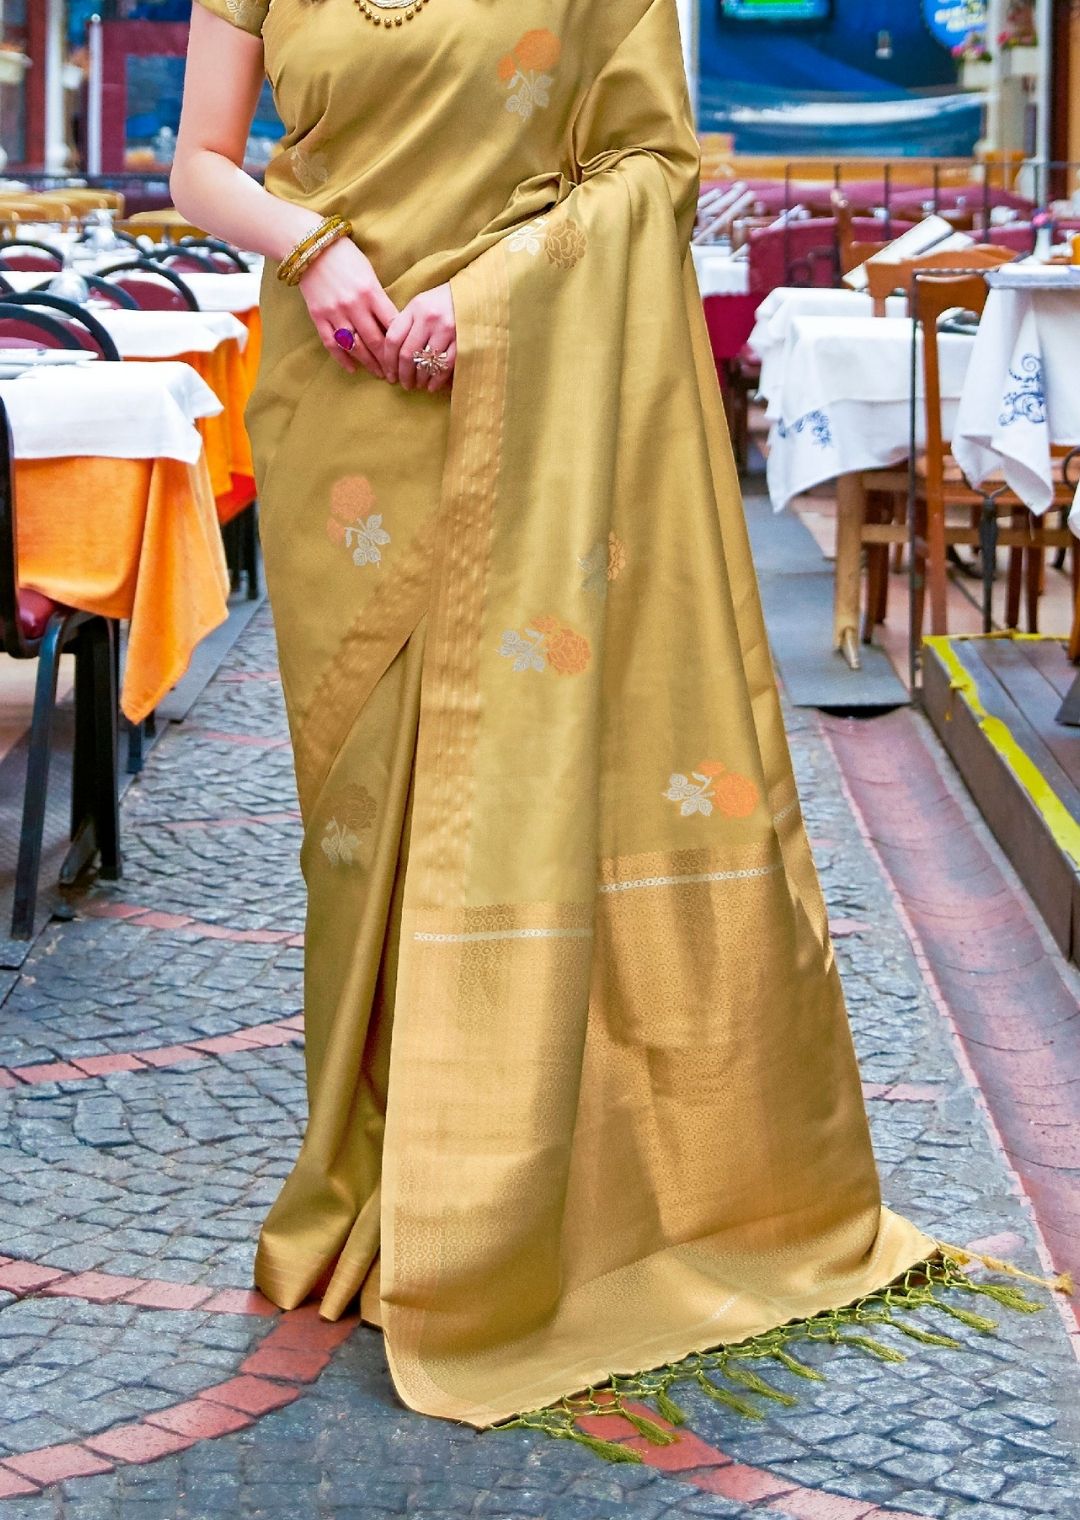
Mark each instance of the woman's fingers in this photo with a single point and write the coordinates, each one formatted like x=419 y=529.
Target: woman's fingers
x=348 y=359
x=440 y=382
x=412 y=343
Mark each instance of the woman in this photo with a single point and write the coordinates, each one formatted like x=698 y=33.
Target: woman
x=581 y=1085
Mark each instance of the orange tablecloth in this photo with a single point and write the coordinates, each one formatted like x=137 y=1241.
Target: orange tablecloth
x=225 y=442
x=128 y=538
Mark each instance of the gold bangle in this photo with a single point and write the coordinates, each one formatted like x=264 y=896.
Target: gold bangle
x=295 y=254
x=309 y=255
x=309 y=238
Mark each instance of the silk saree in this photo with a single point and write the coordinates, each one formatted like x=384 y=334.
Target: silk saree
x=582 y=1092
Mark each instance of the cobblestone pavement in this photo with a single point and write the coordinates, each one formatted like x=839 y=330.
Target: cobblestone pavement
x=151 y=1098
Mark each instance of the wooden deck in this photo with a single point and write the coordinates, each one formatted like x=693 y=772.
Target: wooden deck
x=994 y=702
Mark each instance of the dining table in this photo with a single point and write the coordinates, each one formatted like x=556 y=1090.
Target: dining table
x=115 y=507
x=839 y=391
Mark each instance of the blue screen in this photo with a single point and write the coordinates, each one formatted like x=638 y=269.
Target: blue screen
x=776 y=10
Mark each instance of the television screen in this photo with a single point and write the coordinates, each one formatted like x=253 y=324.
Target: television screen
x=776 y=10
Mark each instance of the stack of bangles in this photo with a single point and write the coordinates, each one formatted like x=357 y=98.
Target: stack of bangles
x=308 y=248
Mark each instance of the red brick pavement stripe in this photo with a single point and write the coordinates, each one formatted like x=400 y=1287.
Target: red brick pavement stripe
x=23 y=1278
x=692 y=1460
x=180 y=923
x=217 y=736
x=255 y=1036
x=1015 y=1018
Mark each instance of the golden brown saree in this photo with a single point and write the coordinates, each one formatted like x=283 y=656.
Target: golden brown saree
x=582 y=1090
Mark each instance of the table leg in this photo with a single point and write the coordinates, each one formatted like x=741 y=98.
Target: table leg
x=850 y=513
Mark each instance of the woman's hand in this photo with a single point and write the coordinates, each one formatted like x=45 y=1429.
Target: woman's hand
x=341 y=290
x=427 y=322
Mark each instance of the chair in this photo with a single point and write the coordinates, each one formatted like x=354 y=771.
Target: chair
x=83 y=326
x=858 y=235
x=938 y=484
x=114 y=295
x=24 y=327
x=33 y=626
x=186 y=261
x=223 y=254
x=152 y=286
x=28 y=254
x=886 y=277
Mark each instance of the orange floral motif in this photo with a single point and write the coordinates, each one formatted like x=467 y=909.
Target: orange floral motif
x=524 y=70
x=710 y=787
x=568 y=652
x=352 y=524
x=547 y=644
x=565 y=243
x=604 y=562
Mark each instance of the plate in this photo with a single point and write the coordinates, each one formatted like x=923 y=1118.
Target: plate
x=16 y=359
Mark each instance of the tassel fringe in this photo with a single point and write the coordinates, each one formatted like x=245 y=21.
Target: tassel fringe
x=724 y=1376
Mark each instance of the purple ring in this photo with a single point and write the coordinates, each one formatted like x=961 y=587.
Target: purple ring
x=345 y=338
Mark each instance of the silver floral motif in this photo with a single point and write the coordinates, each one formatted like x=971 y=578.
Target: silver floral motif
x=532 y=93
x=365 y=538
x=693 y=793
x=247 y=13
x=530 y=238
x=525 y=649
x=340 y=845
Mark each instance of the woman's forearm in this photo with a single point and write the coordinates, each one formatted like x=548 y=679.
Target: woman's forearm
x=215 y=194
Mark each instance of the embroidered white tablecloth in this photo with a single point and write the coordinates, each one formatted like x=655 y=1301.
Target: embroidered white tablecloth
x=780 y=308
x=840 y=399
x=1022 y=395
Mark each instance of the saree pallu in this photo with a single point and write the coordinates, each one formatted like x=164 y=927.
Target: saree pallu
x=582 y=1092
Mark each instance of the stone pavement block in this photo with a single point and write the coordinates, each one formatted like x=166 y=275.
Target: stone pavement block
x=747 y=1484
x=200 y=1418
x=51 y=1464
x=252 y=1395
x=27 y=1276
x=138 y=1443
x=13 y=1486
x=96 y=1287
x=286 y=1362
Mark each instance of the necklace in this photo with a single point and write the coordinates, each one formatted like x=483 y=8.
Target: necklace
x=390 y=12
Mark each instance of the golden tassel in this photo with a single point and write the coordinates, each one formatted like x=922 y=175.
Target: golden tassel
x=1063 y=1283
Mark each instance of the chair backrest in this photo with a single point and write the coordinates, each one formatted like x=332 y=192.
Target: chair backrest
x=188 y=261
x=87 y=331
x=886 y=277
x=152 y=285
x=10 y=636
x=111 y=293
x=934 y=292
x=21 y=326
x=27 y=253
x=799 y=254
x=222 y=254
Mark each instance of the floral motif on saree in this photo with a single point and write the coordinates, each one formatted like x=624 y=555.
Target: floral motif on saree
x=525 y=70
x=352 y=524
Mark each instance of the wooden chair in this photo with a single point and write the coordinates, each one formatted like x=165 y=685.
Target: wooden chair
x=33 y=626
x=887 y=277
x=939 y=485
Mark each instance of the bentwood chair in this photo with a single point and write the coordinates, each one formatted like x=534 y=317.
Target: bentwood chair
x=30 y=255
x=79 y=323
x=152 y=286
x=886 y=277
x=33 y=626
x=224 y=256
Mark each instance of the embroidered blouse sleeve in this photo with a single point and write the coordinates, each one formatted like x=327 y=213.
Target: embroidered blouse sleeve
x=248 y=15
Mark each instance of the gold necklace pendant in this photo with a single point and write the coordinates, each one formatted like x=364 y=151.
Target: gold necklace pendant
x=390 y=12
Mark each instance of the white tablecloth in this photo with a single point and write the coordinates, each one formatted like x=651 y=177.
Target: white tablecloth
x=223 y=292
x=842 y=401
x=1023 y=390
x=121 y=411
x=718 y=273
x=166 y=334
x=778 y=310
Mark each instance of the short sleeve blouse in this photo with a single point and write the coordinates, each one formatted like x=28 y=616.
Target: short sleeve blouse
x=248 y=15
